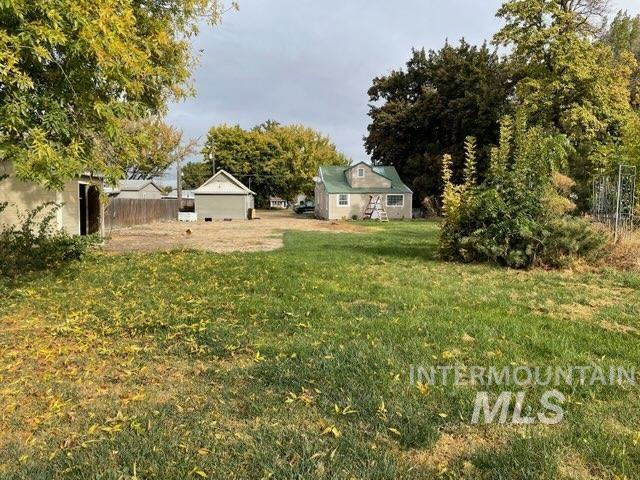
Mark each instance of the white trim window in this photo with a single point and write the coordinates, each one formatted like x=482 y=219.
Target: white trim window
x=360 y=172
x=344 y=200
x=395 y=200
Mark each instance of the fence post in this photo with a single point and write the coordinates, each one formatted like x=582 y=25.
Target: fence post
x=616 y=233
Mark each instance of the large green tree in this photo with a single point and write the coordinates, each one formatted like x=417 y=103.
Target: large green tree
x=275 y=159
x=430 y=107
x=623 y=35
x=74 y=71
x=568 y=82
x=195 y=174
x=151 y=146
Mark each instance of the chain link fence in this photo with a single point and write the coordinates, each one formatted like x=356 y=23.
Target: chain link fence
x=614 y=199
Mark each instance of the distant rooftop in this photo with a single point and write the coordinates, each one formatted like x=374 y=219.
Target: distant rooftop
x=185 y=194
x=135 y=185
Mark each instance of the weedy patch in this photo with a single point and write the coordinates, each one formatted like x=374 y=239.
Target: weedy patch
x=626 y=253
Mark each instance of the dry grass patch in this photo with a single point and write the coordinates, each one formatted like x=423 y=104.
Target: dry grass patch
x=613 y=326
x=573 y=467
x=220 y=236
x=456 y=443
x=626 y=253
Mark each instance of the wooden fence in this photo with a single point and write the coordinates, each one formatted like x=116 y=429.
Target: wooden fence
x=126 y=212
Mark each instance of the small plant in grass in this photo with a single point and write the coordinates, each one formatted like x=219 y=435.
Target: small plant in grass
x=37 y=244
x=520 y=216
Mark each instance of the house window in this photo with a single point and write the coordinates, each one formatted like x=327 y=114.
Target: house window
x=360 y=172
x=395 y=200
x=343 y=200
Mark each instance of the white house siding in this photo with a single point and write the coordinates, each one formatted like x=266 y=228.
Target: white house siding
x=358 y=203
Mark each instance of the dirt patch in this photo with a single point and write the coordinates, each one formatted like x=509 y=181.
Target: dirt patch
x=262 y=234
x=451 y=445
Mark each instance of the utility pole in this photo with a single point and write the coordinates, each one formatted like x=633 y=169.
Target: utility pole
x=213 y=161
x=616 y=234
x=179 y=182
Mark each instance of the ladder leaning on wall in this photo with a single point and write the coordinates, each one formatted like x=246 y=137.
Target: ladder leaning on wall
x=375 y=205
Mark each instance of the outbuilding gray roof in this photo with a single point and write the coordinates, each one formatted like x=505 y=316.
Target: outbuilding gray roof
x=135 y=185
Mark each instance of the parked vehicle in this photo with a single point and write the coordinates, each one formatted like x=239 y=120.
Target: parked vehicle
x=304 y=208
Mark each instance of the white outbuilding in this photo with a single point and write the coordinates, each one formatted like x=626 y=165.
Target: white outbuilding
x=223 y=197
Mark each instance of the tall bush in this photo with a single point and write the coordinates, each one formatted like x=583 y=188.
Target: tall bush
x=519 y=216
x=37 y=244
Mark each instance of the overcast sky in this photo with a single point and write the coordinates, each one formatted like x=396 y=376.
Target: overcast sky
x=312 y=62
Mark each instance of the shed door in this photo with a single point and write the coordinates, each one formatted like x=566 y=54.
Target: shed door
x=89 y=204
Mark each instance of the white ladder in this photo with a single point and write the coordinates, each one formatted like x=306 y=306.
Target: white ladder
x=375 y=205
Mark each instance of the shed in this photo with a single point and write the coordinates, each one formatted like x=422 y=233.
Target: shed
x=223 y=196
x=141 y=189
x=80 y=212
x=277 y=202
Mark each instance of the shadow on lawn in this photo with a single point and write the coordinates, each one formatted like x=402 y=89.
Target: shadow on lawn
x=17 y=280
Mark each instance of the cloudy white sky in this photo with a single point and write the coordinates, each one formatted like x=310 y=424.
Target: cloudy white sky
x=312 y=62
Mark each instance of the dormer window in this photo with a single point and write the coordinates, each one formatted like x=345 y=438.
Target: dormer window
x=360 y=172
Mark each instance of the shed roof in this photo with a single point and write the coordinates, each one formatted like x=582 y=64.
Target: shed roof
x=335 y=180
x=135 y=185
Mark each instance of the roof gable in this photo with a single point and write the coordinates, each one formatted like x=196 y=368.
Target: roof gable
x=223 y=183
x=368 y=166
x=363 y=175
x=133 y=186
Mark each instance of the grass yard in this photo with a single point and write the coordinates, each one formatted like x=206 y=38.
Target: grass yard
x=295 y=364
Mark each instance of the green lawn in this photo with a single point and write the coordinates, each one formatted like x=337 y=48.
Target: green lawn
x=295 y=364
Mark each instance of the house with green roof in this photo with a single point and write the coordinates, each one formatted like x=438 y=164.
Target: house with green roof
x=347 y=192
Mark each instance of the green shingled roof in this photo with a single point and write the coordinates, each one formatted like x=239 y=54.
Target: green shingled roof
x=335 y=181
